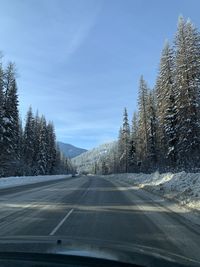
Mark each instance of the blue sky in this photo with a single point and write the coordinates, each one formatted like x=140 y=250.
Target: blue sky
x=79 y=61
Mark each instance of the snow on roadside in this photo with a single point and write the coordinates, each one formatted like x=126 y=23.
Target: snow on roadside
x=7 y=182
x=182 y=187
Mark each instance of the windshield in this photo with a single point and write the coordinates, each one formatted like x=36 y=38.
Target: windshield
x=100 y=125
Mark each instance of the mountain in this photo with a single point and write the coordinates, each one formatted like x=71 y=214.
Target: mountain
x=70 y=151
x=85 y=162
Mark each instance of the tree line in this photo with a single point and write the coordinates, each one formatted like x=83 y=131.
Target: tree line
x=164 y=133
x=31 y=150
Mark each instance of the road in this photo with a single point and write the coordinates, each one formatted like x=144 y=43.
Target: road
x=96 y=208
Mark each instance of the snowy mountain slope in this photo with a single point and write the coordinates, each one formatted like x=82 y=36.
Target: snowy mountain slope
x=70 y=151
x=86 y=161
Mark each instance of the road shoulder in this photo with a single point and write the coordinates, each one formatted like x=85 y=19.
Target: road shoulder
x=187 y=216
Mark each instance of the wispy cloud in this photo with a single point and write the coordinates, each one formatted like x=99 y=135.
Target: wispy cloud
x=78 y=36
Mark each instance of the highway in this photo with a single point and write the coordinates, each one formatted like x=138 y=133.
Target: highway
x=96 y=208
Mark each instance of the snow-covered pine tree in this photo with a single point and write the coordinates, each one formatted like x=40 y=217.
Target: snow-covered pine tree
x=171 y=133
x=33 y=151
x=95 y=168
x=28 y=144
x=120 y=150
x=187 y=70
x=10 y=122
x=152 y=132
x=133 y=144
x=1 y=119
x=126 y=139
x=166 y=109
x=43 y=147
x=115 y=160
x=58 y=160
x=20 y=144
x=142 y=122
x=51 y=148
x=104 y=167
x=124 y=143
x=36 y=143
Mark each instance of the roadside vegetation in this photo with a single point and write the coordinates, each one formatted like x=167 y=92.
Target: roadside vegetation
x=28 y=150
x=164 y=133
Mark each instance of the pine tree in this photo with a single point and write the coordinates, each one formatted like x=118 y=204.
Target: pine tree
x=43 y=149
x=104 y=167
x=133 y=144
x=187 y=63
x=126 y=139
x=20 y=163
x=51 y=149
x=32 y=151
x=1 y=119
x=152 y=132
x=142 y=122
x=58 y=161
x=10 y=122
x=36 y=143
x=124 y=143
x=120 y=150
x=166 y=110
x=115 y=160
x=28 y=146
x=171 y=131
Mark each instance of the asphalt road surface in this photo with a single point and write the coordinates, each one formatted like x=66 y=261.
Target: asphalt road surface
x=96 y=208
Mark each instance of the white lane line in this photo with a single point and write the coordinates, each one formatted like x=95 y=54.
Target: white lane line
x=61 y=222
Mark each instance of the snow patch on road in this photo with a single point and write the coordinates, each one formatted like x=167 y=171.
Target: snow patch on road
x=7 y=182
x=182 y=187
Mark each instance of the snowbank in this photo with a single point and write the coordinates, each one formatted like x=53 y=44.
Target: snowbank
x=7 y=182
x=182 y=187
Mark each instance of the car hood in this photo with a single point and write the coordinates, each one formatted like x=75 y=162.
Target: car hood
x=123 y=252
